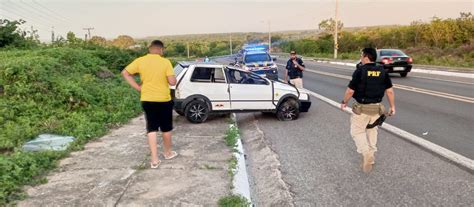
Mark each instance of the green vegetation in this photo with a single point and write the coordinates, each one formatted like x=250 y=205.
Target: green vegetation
x=231 y=139
x=70 y=87
x=66 y=91
x=233 y=201
x=232 y=136
x=446 y=42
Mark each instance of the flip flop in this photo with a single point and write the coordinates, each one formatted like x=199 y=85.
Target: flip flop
x=156 y=165
x=173 y=155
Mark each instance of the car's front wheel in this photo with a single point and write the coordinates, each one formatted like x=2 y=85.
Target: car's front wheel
x=288 y=110
x=404 y=74
x=197 y=111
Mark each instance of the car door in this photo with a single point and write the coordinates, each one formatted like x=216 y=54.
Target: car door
x=249 y=91
x=211 y=83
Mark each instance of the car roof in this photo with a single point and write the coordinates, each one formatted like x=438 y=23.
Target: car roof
x=256 y=52
x=186 y=64
x=388 y=49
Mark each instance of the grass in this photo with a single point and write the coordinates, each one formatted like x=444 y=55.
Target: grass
x=233 y=201
x=231 y=138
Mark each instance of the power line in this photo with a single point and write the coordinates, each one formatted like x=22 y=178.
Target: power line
x=31 y=11
x=51 y=11
x=28 y=20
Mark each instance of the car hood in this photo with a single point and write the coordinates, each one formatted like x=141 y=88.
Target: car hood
x=286 y=87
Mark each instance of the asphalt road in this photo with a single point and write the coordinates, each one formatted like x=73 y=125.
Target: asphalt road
x=320 y=164
x=437 y=108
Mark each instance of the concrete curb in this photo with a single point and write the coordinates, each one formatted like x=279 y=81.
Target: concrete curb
x=441 y=151
x=416 y=70
x=241 y=178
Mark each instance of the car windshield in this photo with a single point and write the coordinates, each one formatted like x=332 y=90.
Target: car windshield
x=391 y=53
x=257 y=58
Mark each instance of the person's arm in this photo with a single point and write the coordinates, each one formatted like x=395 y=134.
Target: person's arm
x=300 y=65
x=391 y=100
x=347 y=96
x=288 y=65
x=171 y=80
x=351 y=88
x=130 y=80
x=390 y=94
x=170 y=74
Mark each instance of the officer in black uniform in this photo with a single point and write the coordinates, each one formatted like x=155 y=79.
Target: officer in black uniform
x=295 y=68
x=368 y=85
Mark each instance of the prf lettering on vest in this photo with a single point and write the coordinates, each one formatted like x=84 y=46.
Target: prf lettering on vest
x=373 y=73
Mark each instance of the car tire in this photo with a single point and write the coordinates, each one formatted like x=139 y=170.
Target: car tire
x=288 y=110
x=404 y=74
x=197 y=111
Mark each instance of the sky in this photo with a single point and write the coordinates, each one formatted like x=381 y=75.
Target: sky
x=143 y=18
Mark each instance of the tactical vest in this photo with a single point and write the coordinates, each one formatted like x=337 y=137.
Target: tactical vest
x=371 y=88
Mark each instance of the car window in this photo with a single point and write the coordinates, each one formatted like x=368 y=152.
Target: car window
x=241 y=77
x=262 y=57
x=178 y=69
x=219 y=76
x=391 y=53
x=208 y=75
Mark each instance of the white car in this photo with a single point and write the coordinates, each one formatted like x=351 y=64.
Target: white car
x=205 y=88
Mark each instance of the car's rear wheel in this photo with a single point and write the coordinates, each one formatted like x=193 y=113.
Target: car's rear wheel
x=288 y=110
x=197 y=111
x=404 y=74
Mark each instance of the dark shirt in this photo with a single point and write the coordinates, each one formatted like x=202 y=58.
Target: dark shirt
x=369 y=83
x=293 y=71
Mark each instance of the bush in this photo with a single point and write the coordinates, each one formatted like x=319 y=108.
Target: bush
x=65 y=91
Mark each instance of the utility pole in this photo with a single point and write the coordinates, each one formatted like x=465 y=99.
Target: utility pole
x=269 y=38
x=187 y=48
x=336 y=46
x=52 y=34
x=230 y=43
x=88 y=31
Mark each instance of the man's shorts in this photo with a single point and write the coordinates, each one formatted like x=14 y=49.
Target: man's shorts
x=158 y=115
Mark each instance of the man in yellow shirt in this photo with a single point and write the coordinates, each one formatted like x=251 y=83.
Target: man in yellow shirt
x=156 y=75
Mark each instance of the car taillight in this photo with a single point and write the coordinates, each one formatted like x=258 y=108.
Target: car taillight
x=387 y=60
x=410 y=60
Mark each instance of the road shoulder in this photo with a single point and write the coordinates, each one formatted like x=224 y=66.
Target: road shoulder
x=268 y=187
x=114 y=170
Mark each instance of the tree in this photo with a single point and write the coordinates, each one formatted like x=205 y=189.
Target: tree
x=123 y=41
x=71 y=38
x=10 y=34
x=327 y=25
x=97 y=40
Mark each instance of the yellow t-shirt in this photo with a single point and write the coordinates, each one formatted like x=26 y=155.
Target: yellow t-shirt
x=153 y=70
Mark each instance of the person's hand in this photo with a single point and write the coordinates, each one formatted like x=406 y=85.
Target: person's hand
x=139 y=88
x=392 y=111
x=295 y=62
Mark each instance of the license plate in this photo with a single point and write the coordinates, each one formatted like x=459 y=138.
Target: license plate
x=398 y=68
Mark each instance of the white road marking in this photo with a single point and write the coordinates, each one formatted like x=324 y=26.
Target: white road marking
x=412 y=76
x=448 y=154
x=404 y=87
